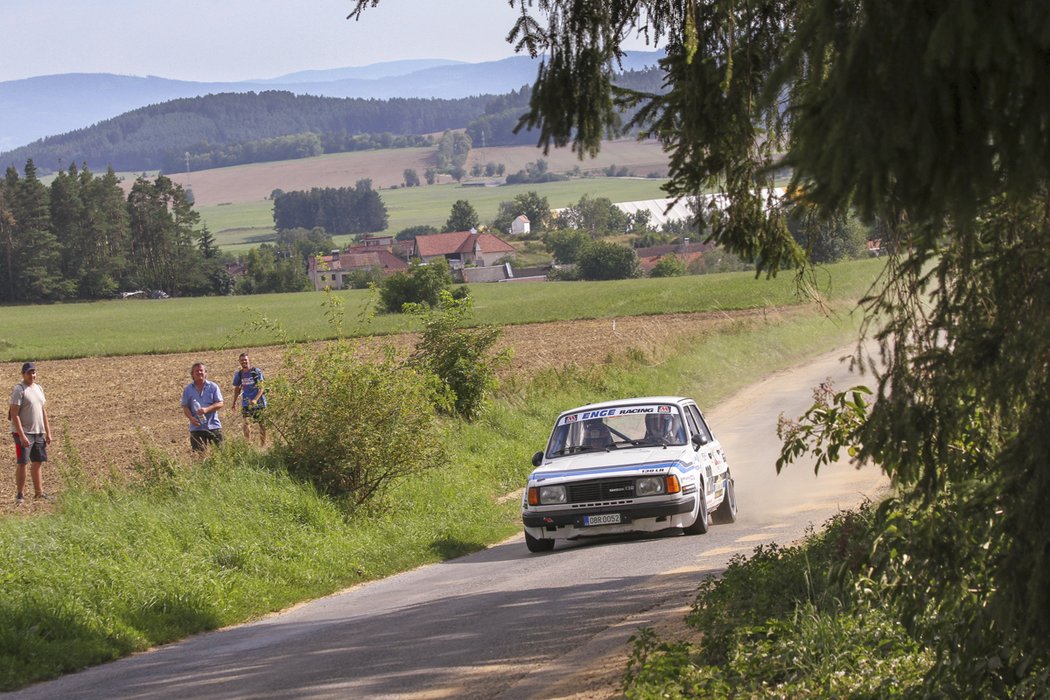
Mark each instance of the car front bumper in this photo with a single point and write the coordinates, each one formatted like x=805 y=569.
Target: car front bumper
x=635 y=517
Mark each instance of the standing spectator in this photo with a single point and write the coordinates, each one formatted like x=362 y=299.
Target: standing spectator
x=248 y=384
x=31 y=430
x=201 y=401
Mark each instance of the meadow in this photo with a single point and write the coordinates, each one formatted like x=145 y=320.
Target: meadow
x=165 y=548
x=141 y=327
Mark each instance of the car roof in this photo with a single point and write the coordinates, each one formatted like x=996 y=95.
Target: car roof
x=633 y=400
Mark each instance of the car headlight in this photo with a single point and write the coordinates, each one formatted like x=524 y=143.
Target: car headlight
x=553 y=494
x=649 y=486
x=547 y=495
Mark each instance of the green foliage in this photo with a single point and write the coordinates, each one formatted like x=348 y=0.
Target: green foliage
x=668 y=266
x=827 y=239
x=452 y=150
x=421 y=284
x=460 y=357
x=535 y=172
x=788 y=622
x=304 y=244
x=463 y=217
x=267 y=273
x=364 y=279
x=352 y=428
x=336 y=210
x=604 y=260
x=565 y=244
x=536 y=208
x=829 y=426
x=596 y=216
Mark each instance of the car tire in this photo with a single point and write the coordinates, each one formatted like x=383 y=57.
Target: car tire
x=726 y=513
x=538 y=545
x=701 y=524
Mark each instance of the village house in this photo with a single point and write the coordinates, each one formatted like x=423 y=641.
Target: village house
x=520 y=226
x=462 y=249
x=332 y=270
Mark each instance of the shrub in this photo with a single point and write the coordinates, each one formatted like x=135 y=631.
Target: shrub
x=349 y=426
x=668 y=266
x=422 y=284
x=460 y=357
x=604 y=260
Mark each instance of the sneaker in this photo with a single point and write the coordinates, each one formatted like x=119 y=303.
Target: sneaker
x=19 y=499
x=42 y=497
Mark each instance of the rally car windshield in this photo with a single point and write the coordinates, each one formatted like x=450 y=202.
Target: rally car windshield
x=643 y=425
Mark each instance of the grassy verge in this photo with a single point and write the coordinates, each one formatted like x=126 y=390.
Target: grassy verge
x=789 y=622
x=194 y=548
x=62 y=331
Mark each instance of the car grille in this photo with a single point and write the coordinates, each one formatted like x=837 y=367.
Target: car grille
x=589 y=491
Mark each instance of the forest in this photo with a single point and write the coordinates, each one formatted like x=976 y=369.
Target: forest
x=237 y=128
x=81 y=238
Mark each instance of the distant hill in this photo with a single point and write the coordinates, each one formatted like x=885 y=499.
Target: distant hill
x=34 y=108
x=237 y=128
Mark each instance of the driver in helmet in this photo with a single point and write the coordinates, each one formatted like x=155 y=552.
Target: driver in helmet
x=659 y=428
x=595 y=434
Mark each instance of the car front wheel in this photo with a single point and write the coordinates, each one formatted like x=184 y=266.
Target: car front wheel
x=700 y=525
x=726 y=513
x=538 y=545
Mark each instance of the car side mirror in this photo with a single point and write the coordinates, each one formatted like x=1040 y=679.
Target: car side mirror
x=537 y=459
x=699 y=441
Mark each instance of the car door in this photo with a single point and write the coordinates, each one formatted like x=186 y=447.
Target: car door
x=711 y=458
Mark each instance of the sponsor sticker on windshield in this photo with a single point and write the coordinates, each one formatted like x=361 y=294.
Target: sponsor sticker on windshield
x=600 y=413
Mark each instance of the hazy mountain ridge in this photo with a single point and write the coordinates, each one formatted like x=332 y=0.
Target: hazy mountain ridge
x=35 y=108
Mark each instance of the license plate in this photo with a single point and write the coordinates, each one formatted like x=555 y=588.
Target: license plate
x=603 y=519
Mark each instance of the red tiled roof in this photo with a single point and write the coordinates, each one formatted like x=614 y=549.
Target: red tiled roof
x=460 y=242
x=491 y=243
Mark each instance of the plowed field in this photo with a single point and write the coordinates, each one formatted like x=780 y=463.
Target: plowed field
x=110 y=409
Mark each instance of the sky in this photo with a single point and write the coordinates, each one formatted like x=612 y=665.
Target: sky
x=232 y=40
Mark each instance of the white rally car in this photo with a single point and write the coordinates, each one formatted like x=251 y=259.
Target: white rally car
x=634 y=465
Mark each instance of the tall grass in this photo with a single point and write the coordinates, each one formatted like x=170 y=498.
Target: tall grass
x=104 y=328
x=195 y=547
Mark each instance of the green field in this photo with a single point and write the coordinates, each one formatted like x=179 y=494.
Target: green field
x=134 y=327
x=239 y=226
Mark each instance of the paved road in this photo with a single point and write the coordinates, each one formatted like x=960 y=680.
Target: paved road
x=500 y=623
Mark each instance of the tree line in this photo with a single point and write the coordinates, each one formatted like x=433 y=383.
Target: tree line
x=336 y=210
x=82 y=238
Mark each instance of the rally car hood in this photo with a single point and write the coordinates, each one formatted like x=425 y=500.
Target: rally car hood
x=588 y=464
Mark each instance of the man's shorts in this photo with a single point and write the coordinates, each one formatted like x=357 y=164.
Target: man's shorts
x=36 y=452
x=252 y=412
x=199 y=439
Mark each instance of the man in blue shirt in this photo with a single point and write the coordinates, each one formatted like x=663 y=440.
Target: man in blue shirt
x=201 y=401
x=247 y=383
